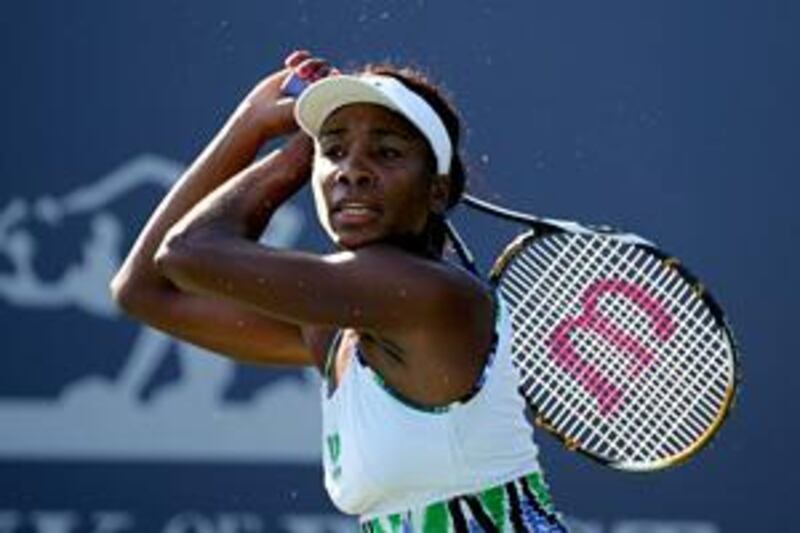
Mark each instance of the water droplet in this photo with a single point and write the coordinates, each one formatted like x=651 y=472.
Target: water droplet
x=485 y=159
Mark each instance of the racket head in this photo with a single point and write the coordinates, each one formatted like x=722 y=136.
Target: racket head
x=623 y=355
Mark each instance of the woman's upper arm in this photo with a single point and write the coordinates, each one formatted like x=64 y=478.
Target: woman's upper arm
x=376 y=287
x=219 y=325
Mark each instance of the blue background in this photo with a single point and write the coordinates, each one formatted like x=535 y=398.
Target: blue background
x=676 y=119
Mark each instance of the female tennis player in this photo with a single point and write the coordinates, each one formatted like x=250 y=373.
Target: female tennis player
x=423 y=426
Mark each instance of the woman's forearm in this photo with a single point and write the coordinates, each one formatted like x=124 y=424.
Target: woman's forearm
x=233 y=214
x=243 y=205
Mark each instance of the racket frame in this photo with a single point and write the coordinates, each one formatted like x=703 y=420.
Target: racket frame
x=525 y=239
x=540 y=228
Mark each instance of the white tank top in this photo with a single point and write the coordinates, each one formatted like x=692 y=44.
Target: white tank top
x=382 y=455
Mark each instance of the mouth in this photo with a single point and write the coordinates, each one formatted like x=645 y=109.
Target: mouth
x=351 y=213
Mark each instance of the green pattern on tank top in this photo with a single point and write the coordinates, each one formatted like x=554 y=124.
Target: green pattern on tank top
x=541 y=492
x=435 y=518
x=438 y=517
x=495 y=502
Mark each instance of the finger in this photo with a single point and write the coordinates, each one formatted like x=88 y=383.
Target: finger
x=311 y=67
x=296 y=57
x=321 y=72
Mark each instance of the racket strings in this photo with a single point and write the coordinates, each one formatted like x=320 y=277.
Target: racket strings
x=604 y=437
x=559 y=397
x=661 y=418
x=658 y=419
x=570 y=429
x=701 y=386
x=651 y=412
x=556 y=274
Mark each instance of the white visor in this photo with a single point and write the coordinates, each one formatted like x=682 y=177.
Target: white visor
x=327 y=95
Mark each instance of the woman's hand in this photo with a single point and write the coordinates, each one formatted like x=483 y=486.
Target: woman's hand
x=273 y=108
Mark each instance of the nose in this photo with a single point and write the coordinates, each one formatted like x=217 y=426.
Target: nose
x=354 y=171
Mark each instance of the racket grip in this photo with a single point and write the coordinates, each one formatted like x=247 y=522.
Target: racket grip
x=293 y=85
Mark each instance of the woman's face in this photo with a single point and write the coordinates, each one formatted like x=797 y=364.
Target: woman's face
x=373 y=177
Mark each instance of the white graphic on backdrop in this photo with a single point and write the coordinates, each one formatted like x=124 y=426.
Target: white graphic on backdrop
x=100 y=418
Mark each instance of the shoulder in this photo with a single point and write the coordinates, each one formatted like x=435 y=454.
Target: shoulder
x=435 y=288
x=383 y=261
x=442 y=304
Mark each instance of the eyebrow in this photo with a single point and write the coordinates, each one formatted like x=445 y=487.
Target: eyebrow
x=333 y=132
x=376 y=132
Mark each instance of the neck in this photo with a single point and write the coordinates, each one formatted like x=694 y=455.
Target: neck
x=420 y=244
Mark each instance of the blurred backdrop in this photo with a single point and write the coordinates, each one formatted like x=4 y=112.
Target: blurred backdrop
x=675 y=119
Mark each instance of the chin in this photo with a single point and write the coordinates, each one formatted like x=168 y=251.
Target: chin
x=354 y=243
x=354 y=240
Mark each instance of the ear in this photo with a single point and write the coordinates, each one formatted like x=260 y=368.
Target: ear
x=439 y=194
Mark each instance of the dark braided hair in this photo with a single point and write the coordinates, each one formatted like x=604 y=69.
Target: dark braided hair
x=417 y=82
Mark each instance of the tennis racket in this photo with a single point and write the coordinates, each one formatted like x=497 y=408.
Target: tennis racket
x=622 y=353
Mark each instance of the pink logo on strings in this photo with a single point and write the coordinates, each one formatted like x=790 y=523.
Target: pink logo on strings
x=563 y=351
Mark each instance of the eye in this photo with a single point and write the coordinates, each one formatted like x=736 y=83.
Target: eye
x=388 y=152
x=334 y=152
